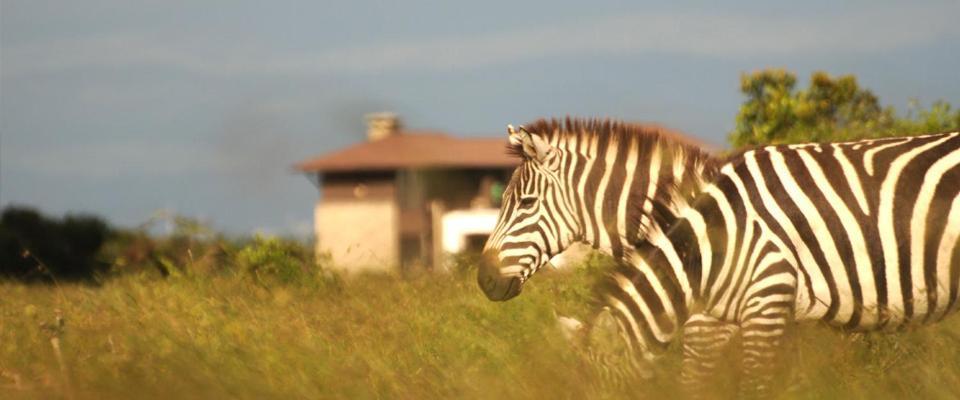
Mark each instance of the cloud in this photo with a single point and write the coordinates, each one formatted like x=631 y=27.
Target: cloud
x=873 y=29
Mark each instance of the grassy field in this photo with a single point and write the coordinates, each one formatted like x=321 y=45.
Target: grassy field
x=432 y=336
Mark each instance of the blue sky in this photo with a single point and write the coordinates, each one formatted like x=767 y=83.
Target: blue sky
x=121 y=108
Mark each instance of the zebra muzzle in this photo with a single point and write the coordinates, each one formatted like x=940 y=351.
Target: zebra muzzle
x=496 y=285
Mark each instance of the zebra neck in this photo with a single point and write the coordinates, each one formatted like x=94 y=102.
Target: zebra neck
x=661 y=207
x=647 y=293
x=620 y=190
x=655 y=290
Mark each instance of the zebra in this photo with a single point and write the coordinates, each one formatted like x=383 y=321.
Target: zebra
x=584 y=180
x=798 y=232
x=860 y=235
x=622 y=166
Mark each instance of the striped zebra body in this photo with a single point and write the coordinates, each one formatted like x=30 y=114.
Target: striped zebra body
x=873 y=226
x=860 y=235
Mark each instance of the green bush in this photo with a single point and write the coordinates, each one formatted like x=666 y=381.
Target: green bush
x=271 y=260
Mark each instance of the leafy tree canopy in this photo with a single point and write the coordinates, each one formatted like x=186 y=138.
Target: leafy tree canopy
x=830 y=109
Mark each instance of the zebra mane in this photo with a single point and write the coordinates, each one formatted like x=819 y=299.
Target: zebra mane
x=607 y=131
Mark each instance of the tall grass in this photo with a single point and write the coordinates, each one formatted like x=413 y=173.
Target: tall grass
x=433 y=336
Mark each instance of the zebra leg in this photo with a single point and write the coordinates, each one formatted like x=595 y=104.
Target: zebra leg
x=762 y=331
x=609 y=353
x=704 y=339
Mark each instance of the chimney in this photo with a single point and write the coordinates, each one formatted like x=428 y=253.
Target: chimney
x=381 y=125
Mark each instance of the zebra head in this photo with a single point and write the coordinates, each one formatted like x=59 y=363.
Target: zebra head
x=536 y=219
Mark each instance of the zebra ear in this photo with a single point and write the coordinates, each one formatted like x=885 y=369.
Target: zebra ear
x=513 y=135
x=534 y=147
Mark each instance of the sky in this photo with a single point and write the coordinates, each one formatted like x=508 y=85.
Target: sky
x=122 y=108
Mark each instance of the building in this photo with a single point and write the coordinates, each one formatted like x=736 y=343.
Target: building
x=403 y=200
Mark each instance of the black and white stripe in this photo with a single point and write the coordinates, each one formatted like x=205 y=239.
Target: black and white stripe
x=861 y=235
x=592 y=181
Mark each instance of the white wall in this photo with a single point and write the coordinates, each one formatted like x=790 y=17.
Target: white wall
x=360 y=235
x=458 y=224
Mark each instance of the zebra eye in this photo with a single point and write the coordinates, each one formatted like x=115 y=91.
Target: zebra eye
x=527 y=201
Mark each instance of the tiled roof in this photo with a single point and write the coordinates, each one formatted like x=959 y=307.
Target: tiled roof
x=414 y=150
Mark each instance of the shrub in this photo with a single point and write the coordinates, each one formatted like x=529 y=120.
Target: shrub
x=34 y=247
x=274 y=260
x=188 y=248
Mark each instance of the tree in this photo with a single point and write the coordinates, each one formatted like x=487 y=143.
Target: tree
x=831 y=109
x=938 y=118
x=34 y=247
x=770 y=107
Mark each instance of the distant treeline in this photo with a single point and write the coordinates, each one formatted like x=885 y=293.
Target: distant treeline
x=34 y=247
x=37 y=248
